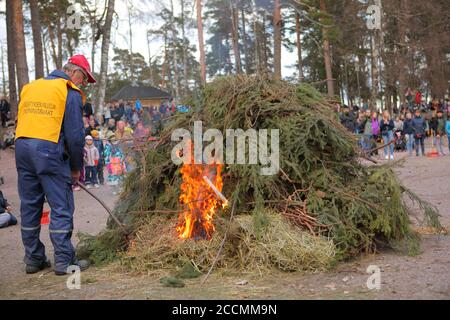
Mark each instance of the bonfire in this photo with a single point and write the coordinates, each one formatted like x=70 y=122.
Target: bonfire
x=200 y=197
x=323 y=206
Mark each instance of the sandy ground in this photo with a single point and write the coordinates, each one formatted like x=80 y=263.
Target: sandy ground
x=426 y=276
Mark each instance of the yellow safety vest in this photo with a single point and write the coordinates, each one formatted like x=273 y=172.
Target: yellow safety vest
x=41 y=108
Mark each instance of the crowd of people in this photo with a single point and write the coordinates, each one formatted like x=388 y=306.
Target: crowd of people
x=406 y=130
x=112 y=136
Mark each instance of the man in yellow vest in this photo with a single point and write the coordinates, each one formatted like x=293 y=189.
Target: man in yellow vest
x=49 y=157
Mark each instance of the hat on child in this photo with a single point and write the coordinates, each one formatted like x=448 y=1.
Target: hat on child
x=110 y=136
x=88 y=138
x=94 y=133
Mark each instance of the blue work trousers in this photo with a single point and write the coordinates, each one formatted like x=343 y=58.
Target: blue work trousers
x=44 y=171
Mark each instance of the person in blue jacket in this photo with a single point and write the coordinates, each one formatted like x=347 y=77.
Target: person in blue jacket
x=49 y=157
x=447 y=129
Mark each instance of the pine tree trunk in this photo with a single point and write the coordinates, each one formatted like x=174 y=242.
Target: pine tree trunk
x=395 y=97
x=104 y=55
x=183 y=34
x=2 y=52
x=130 y=37
x=164 y=66
x=150 y=58
x=94 y=41
x=277 y=40
x=235 y=36
x=256 y=33
x=264 y=47
x=244 y=40
x=388 y=96
x=327 y=55
x=51 y=36
x=374 y=72
x=37 y=40
x=44 y=47
x=402 y=77
x=175 y=55
x=200 y=41
x=19 y=44
x=229 y=65
x=299 y=47
x=436 y=75
x=11 y=57
x=68 y=44
x=59 y=33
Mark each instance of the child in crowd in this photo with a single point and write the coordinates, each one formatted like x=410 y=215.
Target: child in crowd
x=91 y=158
x=98 y=143
x=6 y=217
x=115 y=162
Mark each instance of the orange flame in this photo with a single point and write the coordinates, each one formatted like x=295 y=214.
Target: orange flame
x=199 y=200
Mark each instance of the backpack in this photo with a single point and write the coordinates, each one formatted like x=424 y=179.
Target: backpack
x=116 y=167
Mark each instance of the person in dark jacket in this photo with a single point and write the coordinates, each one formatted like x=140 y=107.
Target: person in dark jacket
x=439 y=132
x=93 y=125
x=433 y=122
x=419 y=127
x=115 y=113
x=387 y=132
x=49 y=158
x=121 y=110
x=4 y=111
x=347 y=119
x=88 y=111
x=409 y=133
x=6 y=217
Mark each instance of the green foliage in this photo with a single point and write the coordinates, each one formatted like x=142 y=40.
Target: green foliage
x=126 y=65
x=188 y=271
x=171 y=282
x=102 y=248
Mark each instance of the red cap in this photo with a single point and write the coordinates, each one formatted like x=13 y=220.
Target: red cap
x=82 y=62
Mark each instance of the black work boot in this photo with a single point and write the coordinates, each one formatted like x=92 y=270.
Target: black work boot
x=30 y=269
x=82 y=264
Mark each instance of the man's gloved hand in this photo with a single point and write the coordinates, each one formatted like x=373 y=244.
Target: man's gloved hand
x=75 y=176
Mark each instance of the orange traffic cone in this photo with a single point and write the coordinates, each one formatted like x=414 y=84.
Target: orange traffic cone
x=433 y=153
x=45 y=219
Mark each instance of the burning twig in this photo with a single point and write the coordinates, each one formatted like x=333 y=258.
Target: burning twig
x=216 y=191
